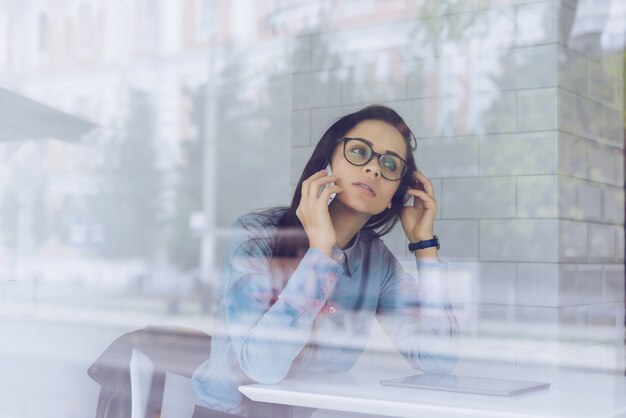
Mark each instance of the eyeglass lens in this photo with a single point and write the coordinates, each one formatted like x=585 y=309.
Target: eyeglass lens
x=359 y=153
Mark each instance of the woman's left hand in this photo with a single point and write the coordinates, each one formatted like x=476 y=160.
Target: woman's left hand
x=418 y=220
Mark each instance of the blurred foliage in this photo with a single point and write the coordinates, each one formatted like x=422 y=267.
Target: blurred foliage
x=128 y=200
x=183 y=244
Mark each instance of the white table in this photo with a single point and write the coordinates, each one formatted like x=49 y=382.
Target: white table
x=572 y=394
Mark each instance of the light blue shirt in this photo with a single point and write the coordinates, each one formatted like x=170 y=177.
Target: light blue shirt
x=319 y=319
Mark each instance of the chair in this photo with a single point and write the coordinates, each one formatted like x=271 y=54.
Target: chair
x=149 y=355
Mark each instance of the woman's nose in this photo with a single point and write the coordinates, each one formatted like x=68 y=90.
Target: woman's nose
x=373 y=167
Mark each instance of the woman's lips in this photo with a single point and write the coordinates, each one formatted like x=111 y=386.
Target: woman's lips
x=364 y=189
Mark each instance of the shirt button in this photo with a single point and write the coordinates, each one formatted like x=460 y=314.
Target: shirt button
x=332 y=310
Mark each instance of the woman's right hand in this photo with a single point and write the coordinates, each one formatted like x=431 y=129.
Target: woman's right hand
x=313 y=211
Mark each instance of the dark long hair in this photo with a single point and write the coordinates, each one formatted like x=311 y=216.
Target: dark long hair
x=290 y=241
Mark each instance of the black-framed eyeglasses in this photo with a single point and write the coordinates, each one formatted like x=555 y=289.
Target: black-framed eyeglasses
x=358 y=152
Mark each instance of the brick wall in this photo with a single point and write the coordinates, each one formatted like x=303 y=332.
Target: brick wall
x=519 y=127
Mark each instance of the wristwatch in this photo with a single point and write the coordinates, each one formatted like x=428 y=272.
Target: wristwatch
x=420 y=245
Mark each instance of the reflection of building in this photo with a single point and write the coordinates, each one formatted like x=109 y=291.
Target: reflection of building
x=84 y=57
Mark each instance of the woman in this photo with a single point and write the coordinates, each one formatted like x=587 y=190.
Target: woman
x=302 y=285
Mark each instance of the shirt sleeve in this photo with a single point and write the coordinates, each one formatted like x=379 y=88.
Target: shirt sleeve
x=417 y=314
x=269 y=323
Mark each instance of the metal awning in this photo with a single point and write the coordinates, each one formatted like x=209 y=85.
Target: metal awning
x=22 y=118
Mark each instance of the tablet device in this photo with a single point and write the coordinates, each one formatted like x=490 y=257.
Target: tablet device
x=467 y=384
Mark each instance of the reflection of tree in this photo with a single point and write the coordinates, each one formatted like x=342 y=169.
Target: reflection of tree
x=251 y=110
x=9 y=220
x=24 y=221
x=183 y=245
x=127 y=203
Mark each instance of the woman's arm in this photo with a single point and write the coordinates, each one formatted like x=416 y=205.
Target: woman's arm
x=269 y=326
x=418 y=316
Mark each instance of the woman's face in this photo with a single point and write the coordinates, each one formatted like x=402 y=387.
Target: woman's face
x=384 y=138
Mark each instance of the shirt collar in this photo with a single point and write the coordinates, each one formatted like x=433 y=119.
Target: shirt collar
x=344 y=256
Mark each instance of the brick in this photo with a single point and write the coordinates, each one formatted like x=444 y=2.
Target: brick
x=601 y=85
x=421 y=43
x=540 y=322
x=574 y=323
x=537 y=109
x=518 y=240
x=612 y=126
x=589 y=200
x=567 y=199
x=613 y=283
x=488 y=68
x=601 y=163
x=494 y=315
x=423 y=116
x=453 y=114
x=538 y=284
x=518 y=154
x=486 y=4
x=573 y=240
x=448 y=157
x=486 y=197
x=588 y=284
x=619 y=246
x=323 y=118
x=535 y=24
x=529 y=68
x=567 y=114
x=500 y=117
x=463 y=282
x=300 y=127
x=301 y=53
x=589 y=116
x=613 y=204
x=566 y=17
x=567 y=284
x=580 y=200
x=438 y=188
x=299 y=158
x=613 y=64
x=537 y=196
x=601 y=242
x=460 y=28
x=572 y=155
x=460 y=237
x=356 y=46
x=497 y=283
x=618 y=158
x=606 y=316
x=316 y=89
x=422 y=77
x=572 y=71
x=397 y=242
x=375 y=82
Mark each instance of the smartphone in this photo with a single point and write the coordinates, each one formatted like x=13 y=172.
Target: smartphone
x=332 y=195
x=409 y=200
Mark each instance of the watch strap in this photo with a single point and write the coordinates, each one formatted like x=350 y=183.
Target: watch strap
x=420 y=245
